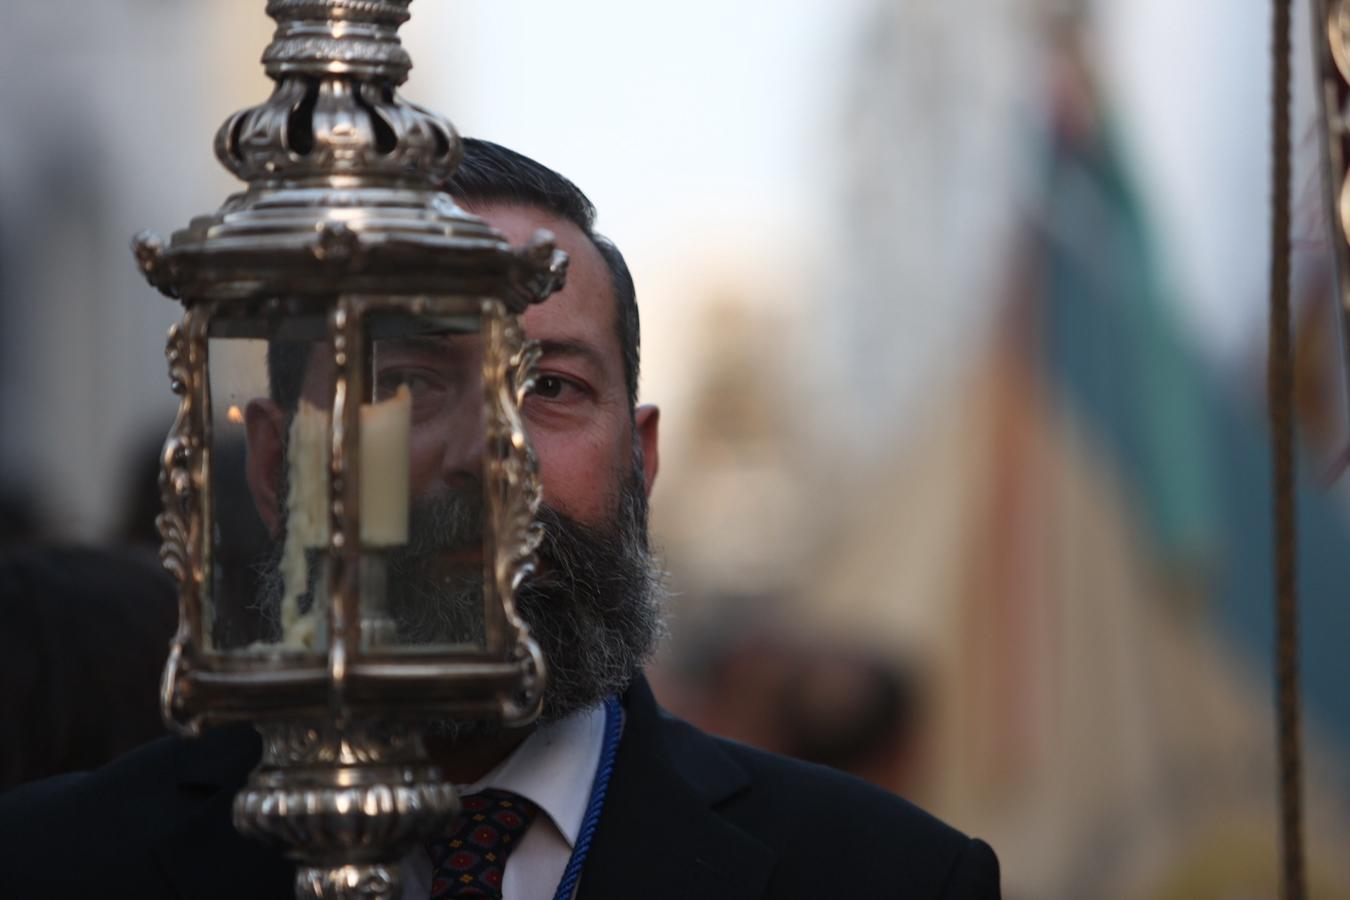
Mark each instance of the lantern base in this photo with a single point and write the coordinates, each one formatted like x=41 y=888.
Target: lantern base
x=346 y=802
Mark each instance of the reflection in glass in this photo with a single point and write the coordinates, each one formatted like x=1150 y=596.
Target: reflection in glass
x=270 y=399
x=422 y=495
x=421 y=489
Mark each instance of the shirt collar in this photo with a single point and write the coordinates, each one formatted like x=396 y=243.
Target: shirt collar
x=554 y=768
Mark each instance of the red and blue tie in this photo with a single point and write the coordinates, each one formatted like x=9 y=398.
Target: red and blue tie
x=470 y=861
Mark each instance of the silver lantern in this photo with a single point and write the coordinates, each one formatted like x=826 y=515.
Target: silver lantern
x=350 y=366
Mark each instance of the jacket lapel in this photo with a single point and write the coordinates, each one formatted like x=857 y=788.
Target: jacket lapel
x=204 y=857
x=660 y=835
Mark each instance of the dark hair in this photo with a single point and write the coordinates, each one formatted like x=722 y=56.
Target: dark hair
x=491 y=173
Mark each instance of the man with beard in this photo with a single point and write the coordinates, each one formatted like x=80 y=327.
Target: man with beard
x=680 y=814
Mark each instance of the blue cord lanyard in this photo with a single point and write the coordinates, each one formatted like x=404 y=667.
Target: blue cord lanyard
x=608 y=751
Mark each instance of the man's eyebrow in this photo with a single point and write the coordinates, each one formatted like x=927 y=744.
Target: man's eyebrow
x=574 y=348
x=430 y=344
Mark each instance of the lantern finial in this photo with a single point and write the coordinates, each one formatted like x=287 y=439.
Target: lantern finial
x=335 y=111
x=320 y=37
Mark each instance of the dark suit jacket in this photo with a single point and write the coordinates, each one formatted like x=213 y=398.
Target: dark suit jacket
x=687 y=816
x=83 y=636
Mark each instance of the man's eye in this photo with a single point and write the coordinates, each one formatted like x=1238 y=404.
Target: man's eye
x=550 y=387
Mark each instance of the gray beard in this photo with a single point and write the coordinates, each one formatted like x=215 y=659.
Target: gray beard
x=595 y=604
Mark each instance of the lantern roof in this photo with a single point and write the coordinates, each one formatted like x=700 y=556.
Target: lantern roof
x=344 y=182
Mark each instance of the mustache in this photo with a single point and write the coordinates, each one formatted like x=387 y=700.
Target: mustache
x=447 y=521
x=594 y=603
x=574 y=554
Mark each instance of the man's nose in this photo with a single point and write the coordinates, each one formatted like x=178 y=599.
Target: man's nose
x=462 y=456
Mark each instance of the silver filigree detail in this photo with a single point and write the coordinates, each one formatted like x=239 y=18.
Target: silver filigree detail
x=180 y=492
x=321 y=37
x=291 y=53
x=543 y=266
x=347 y=802
x=375 y=822
x=515 y=477
x=176 y=483
x=335 y=108
x=313 y=744
x=337 y=125
x=348 y=882
x=394 y=12
x=149 y=248
x=337 y=243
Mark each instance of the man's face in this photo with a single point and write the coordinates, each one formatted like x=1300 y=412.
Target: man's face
x=594 y=604
x=579 y=416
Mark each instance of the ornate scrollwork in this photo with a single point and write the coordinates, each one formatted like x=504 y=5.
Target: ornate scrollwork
x=179 y=486
x=335 y=821
x=151 y=259
x=373 y=882
x=543 y=269
x=394 y=12
x=515 y=476
x=524 y=493
x=519 y=466
x=292 y=52
x=176 y=481
x=292 y=743
x=335 y=36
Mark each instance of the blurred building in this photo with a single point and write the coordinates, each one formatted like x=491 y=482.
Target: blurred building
x=1026 y=484
x=112 y=107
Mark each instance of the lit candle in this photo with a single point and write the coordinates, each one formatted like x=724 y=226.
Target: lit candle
x=384 y=470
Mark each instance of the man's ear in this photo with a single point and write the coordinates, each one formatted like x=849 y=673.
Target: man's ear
x=647 y=419
x=264 y=435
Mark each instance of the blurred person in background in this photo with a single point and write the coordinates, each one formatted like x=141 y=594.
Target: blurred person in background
x=823 y=701
x=850 y=711
x=84 y=634
x=18 y=518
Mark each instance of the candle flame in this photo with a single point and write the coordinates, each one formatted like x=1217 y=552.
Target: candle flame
x=235 y=415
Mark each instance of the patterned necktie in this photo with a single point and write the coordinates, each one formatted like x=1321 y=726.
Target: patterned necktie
x=471 y=860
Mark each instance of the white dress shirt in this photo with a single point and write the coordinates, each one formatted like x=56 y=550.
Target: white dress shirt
x=554 y=768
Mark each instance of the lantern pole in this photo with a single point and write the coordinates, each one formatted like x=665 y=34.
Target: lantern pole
x=1280 y=386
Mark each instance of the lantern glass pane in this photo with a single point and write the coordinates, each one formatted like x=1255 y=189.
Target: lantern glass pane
x=422 y=502
x=271 y=395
